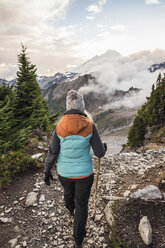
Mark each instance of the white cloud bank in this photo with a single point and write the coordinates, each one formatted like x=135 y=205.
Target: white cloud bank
x=90 y=18
x=7 y=71
x=35 y=24
x=116 y=72
x=94 y=9
x=149 y=2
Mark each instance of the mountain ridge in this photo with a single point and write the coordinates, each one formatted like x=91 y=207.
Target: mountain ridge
x=120 y=67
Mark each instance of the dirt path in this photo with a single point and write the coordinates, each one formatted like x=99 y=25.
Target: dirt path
x=47 y=223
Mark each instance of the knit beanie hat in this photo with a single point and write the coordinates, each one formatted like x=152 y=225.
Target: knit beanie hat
x=74 y=100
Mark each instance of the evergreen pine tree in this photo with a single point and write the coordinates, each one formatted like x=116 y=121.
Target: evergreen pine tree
x=30 y=105
x=7 y=120
x=5 y=90
x=137 y=132
x=39 y=112
x=45 y=123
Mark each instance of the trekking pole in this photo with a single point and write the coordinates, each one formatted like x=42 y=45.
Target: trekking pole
x=97 y=179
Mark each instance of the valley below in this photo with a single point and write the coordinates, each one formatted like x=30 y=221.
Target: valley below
x=114 y=128
x=115 y=141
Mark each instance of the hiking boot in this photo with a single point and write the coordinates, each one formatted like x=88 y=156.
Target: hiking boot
x=71 y=212
x=78 y=245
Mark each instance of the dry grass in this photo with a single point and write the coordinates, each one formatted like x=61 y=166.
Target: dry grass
x=159 y=136
x=155 y=146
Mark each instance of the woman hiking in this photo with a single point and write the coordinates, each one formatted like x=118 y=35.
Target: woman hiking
x=70 y=146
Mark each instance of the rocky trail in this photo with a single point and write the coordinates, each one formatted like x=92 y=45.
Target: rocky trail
x=43 y=222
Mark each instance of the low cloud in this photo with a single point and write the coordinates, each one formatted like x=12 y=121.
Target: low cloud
x=149 y=2
x=91 y=87
x=94 y=9
x=116 y=72
x=34 y=23
x=71 y=67
x=90 y=18
x=7 y=71
x=135 y=100
x=33 y=12
x=119 y=27
x=102 y=2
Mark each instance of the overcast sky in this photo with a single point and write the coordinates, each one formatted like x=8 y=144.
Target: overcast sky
x=61 y=34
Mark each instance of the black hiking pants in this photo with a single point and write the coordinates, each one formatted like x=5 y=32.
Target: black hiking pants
x=76 y=196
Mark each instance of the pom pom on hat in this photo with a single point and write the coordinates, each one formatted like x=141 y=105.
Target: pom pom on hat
x=74 y=100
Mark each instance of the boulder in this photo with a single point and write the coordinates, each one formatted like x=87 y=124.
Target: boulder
x=38 y=155
x=17 y=229
x=112 y=198
x=31 y=199
x=126 y=193
x=45 y=138
x=13 y=242
x=5 y=220
x=98 y=217
x=109 y=213
x=145 y=230
x=42 y=198
x=24 y=244
x=133 y=186
x=150 y=192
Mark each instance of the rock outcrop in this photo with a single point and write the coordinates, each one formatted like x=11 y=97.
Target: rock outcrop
x=148 y=193
x=145 y=230
x=31 y=199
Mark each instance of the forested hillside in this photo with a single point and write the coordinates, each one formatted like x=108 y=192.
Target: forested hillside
x=149 y=124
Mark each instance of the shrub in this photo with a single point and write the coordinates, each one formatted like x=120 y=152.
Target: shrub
x=14 y=163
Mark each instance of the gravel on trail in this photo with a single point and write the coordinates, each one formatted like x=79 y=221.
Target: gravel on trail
x=47 y=223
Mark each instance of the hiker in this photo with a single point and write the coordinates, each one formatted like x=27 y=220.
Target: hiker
x=70 y=147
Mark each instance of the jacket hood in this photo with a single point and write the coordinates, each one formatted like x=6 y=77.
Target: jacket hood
x=74 y=123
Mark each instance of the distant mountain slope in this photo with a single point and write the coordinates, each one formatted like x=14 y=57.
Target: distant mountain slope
x=45 y=82
x=156 y=67
x=56 y=94
x=95 y=101
x=10 y=81
x=113 y=70
x=1 y=81
x=115 y=62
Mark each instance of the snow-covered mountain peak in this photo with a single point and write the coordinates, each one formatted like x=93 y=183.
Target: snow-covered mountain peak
x=110 y=53
x=91 y=65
